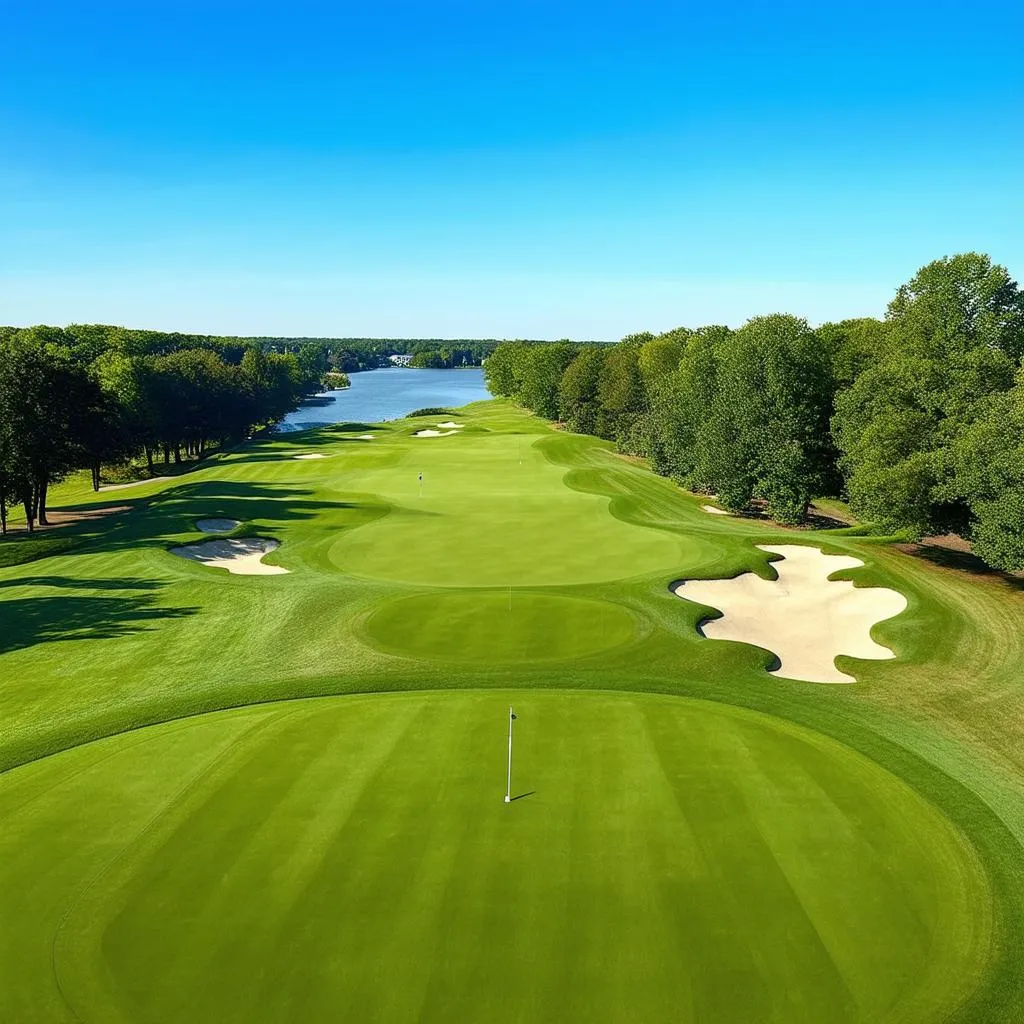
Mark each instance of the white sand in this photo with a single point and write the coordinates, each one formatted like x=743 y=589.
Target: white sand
x=366 y=437
x=217 y=525
x=451 y=426
x=434 y=433
x=715 y=511
x=803 y=617
x=314 y=455
x=136 y=483
x=241 y=557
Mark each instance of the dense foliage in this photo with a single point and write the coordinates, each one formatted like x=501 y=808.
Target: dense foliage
x=918 y=418
x=79 y=397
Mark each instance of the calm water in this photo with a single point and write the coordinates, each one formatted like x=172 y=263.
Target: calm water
x=389 y=394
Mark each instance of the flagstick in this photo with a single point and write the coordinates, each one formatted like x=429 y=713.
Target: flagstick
x=508 y=783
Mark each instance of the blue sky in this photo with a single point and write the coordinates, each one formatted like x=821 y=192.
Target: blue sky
x=468 y=169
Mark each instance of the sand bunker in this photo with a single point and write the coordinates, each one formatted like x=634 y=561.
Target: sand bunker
x=434 y=433
x=715 y=511
x=242 y=557
x=313 y=455
x=803 y=618
x=365 y=437
x=451 y=426
x=217 y=525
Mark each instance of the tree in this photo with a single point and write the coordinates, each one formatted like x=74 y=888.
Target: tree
x=621 y=388
x=578 y=404
x=503 y=368
x=46 y=395
x=955 y=339
x=765 y=430
x=988 y=465
x=312 y=360
x=541 y=374
x=854 y=346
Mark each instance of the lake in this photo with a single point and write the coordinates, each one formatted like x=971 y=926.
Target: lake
x=389 y=394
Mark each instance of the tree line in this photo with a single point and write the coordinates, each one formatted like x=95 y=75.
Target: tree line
x=916 y=419
x=351 y=355
x=83 y=396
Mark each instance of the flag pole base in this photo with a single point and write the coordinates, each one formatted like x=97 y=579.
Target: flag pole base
x=508 y=799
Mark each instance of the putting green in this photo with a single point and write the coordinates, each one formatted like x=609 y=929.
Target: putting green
x=352 y=859
x=490 y=626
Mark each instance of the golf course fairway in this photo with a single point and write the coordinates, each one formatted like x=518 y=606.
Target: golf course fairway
x=280 y=797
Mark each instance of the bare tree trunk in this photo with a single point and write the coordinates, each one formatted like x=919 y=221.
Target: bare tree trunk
x=3 y=512
x=41 y=486
x=177 y=454
x=95 y=467
x=149 y=459
x=167 y=454
x=29 y=501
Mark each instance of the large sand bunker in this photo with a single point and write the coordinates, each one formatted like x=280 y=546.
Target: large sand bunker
x=242 y=557
x=803 y=617
x=217 y=525
x=434 y=433
x=312 y=455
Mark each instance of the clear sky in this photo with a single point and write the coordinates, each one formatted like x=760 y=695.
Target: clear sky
x=468 y=168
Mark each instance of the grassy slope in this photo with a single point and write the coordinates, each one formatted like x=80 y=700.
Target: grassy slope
x=135 y=636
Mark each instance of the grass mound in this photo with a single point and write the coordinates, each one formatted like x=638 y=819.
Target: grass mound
x=430 y=410
x=498 y=626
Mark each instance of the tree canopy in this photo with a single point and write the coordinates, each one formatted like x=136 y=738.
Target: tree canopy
x=917 y=419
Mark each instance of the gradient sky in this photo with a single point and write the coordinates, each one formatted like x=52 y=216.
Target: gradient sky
x=469 y=168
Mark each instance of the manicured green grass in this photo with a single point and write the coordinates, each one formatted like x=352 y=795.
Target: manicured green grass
x=489 y=626
x=705 y=842
x=665 y=860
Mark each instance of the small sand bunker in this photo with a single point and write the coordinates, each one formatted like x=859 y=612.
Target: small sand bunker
x=715 y=511
x=366 y=437
x=311 y=455
x=217 y=525
x=451 y=426
x=803 y=617
x=434 y=433
x=242 y=557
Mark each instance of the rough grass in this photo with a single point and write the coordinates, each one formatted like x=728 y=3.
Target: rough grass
x=391 y=590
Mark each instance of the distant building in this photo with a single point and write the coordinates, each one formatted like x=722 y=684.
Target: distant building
x=400 y=360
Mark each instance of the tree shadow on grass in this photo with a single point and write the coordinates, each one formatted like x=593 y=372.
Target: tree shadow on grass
x=153 y=521
x=28 y=621
x=77 y=583
x=962 y=561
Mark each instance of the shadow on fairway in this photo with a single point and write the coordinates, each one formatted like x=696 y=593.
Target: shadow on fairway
x=28 y=621
x=962 y=561
x=523 y=796
x=275 y=447
x=77 y=583
x=151 y=522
